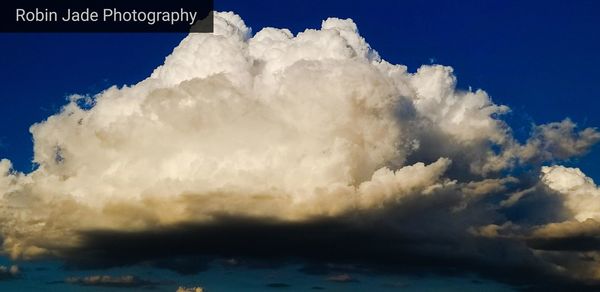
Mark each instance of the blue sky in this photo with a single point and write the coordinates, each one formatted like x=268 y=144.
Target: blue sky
x=540 y=58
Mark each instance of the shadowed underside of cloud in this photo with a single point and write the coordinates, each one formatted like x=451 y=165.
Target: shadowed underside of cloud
x=276 y=147
x=360 y=243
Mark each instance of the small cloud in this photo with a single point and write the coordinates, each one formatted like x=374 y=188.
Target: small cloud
x=7 y=273
x=126 y=281
x=190 y=289
x=341 y=278
x=231 y=262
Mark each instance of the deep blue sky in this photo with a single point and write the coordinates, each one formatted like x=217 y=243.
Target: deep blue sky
x=539 y=57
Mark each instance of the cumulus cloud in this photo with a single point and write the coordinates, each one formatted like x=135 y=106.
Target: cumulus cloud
x=581 y=195
x=290 y=133
x=313 y=131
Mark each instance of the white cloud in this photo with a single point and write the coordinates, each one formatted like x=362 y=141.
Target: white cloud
x=580 y=193
x=272 y=125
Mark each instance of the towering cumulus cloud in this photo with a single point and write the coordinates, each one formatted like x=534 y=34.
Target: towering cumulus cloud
x=295 y=129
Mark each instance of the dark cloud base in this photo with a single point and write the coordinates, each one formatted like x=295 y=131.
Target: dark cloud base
x=416 y=238
x=575 y=243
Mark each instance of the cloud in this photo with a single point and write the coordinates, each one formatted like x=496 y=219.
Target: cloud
x=580 y=193
x=126 y=281
x=9 y=272
x=341 y=278
x=559 y=140
x=581 y=234
x=190 y=289
x=309 y=146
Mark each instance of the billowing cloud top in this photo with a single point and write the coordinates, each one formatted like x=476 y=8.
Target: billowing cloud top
x=274 y=125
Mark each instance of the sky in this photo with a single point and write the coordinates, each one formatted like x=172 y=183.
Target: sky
x=538 y=58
